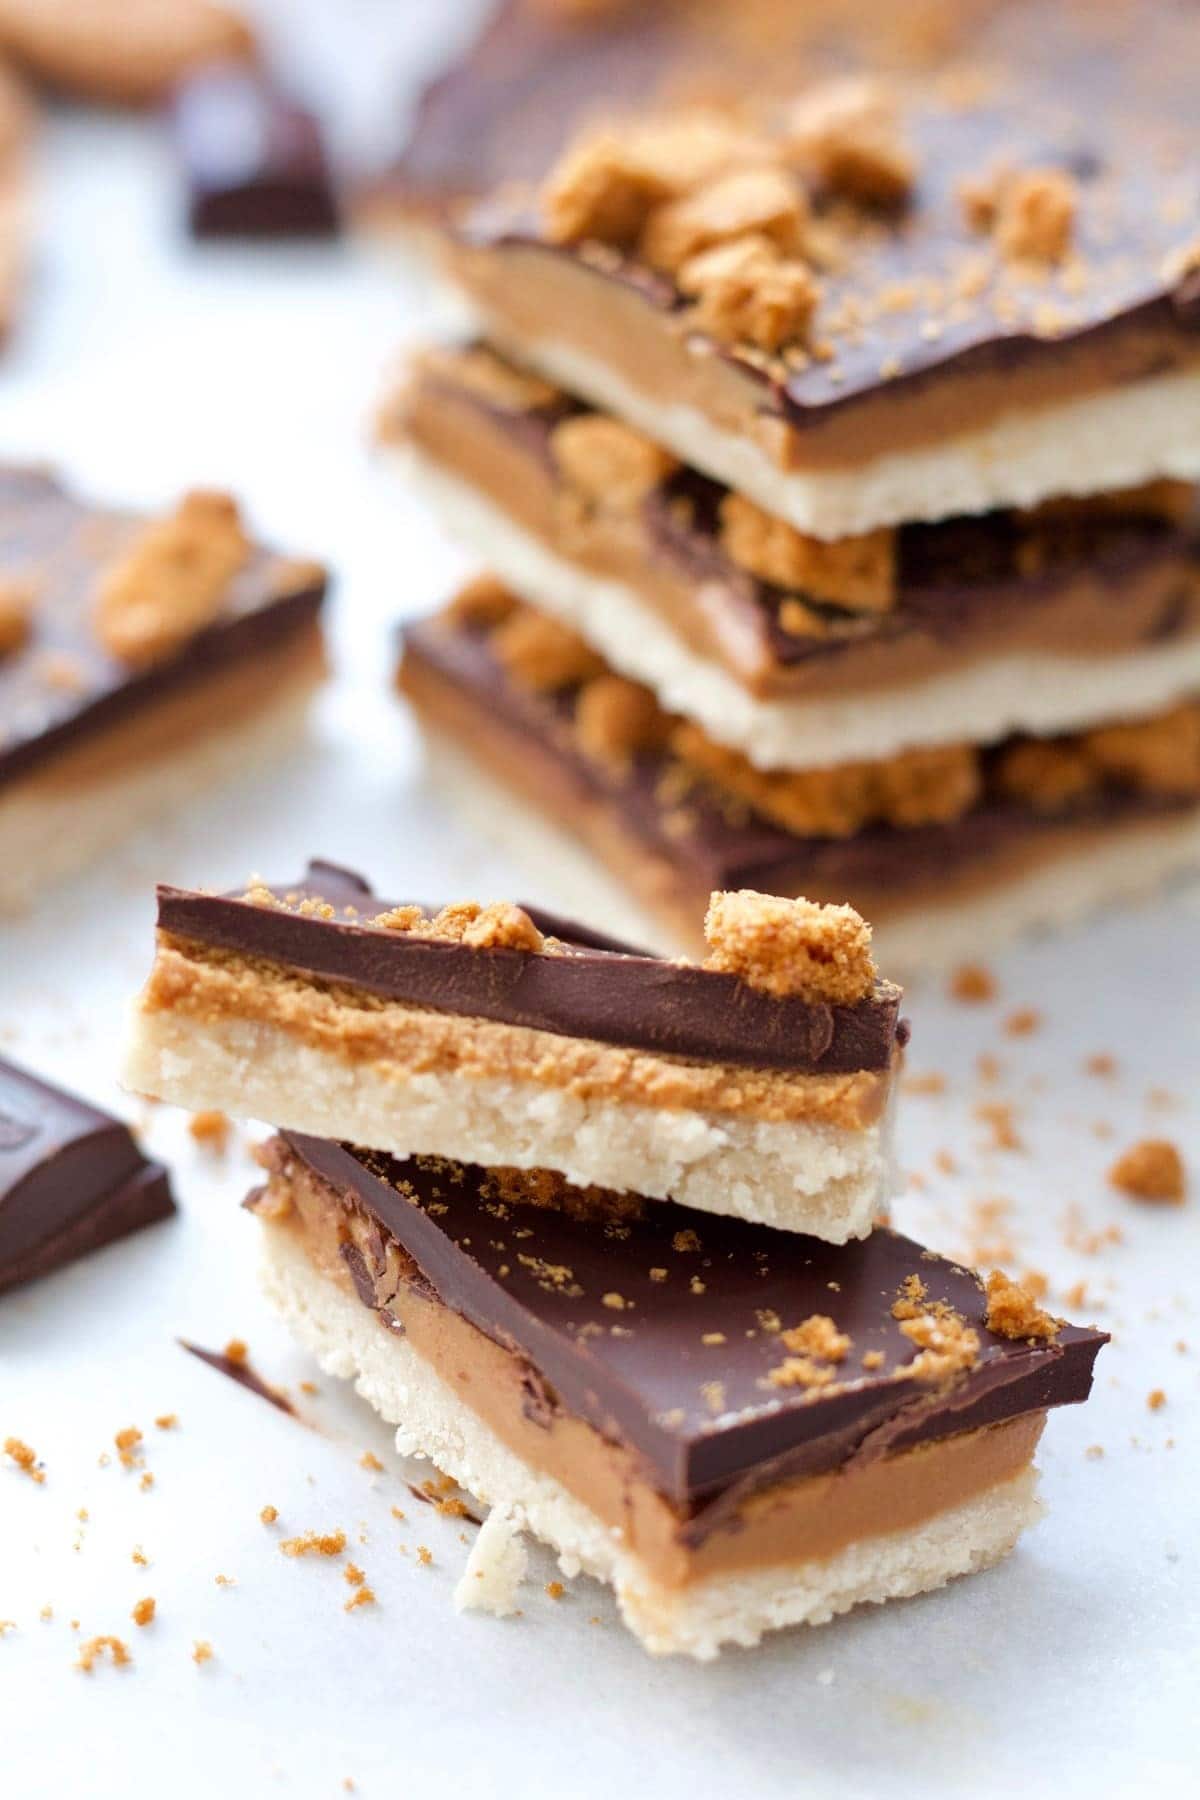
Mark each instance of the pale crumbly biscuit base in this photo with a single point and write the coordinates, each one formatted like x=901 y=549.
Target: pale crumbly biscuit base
x=980 y=704
x=59 y=820
x=1130 y=867
x=130 y=52
x=809 y=1176
x=1091 y=445
x=697 y=1621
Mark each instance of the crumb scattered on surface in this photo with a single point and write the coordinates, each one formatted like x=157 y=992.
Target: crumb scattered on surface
x=817 y=1336
x=236 y=1351
x=1151 y=1169
x=495 y=1568
x=93 y=1650
x=998 y=1116
x=1023 y=1022
x=167 y=1421
x=25 y=1458
x=314 y=1543
x=369 y=1460
x=211 y=1129
x=127 y=1441
x=424 y=1554
x=362 y=1596
x=555 y=1589
x=202 y=1651
x=973 y=984
x=143 y=1611
x=1156 y=1399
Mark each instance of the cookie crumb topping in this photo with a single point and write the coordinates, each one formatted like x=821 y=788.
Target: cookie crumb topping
x=173 y=580
x=790 y=947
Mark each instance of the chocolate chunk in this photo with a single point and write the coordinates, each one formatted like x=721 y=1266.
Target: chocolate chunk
x=685 y=1377
x=597 y=989
x=71 y=1179
x=254 y=161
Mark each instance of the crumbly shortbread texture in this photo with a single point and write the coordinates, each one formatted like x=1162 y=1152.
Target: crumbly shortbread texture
x=695 y=1621
x=826 y=1180
x=495 y=1568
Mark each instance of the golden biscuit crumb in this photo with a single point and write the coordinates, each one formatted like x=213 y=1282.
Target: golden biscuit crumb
x=801 y=1371
x=353 y=1576
x=269 y=1514
x=16 y=614
x=25 y=1459
x=314 y=1543
x=481 y=604
x=600 y=189
x=369 y=1460
x=127 y=1442
x=746 y=291
x=147 y=1479
x=873 y=1359
x=362 y=1596
x=847 y=136
x=502 y=926
x=857 y=572
x=615 y=718
x=138 y=1555
x=538 y=652
x=614 y=1301
x=946 y=1344
x=972 y=984
x=93 y=1650
x=1023 y=1022
x=684 y=1241
x=1035 y=215
x=1102 y=1063
x=1156 y=1399
x=1151 y=1169
x=998 y=1116
x=1012 y=1311
x=202 y=1651
x=167 y=1421
x=173 y=580
x=817 y=1336
x=608 y=463
x=236 y=1351
x=424 y=1554
x=211 y=1129
x=143 y=1611
x=555 y=1589
x=790 y=947
x=911 y=1299
x=713 y=1338
x=766 y=202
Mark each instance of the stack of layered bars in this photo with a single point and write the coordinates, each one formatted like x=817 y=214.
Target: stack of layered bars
x=834 y=469
x=609 y=1259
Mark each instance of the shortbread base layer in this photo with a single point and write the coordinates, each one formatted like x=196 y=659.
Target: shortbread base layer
x=981 y=703
x=697 y=1620
x=813 y=1177
x=65 y=815
x=588 y=865
x=1094 y=443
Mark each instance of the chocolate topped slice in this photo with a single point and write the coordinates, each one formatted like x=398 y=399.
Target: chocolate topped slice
x=721 y=1353
x=576 y=984
x=72 y=1179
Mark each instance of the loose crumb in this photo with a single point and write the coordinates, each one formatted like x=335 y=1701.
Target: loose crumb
x=143 y=1611
x=1013 y=1312
x=998 y=1115
x=127 y=1442
x=362 y=1596
x=211 y=1129
x=269 y=1514
x=25 y=1459
x=147 y=1480
x=93 y=1650
x=202 y=1651
x=1156 y=1399
x=972 y=984
x=555 y=1589
x=1151 y=1169
x=315 y=1543
x=167 y=1421
x=424 y=1554
x=1023 y=1022
x=1101 y=1064
x=236 y=1351
x=369 y=1460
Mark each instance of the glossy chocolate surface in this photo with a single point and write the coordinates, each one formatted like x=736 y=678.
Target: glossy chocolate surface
x=71 y=1178
x=613 y=1315
x=596 y=988
x=62 y=686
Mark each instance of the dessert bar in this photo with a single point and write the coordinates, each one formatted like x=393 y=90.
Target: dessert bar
x=72 y=1179
x=756 y=1084
x=738 y=1429
x=139 y=659
x=943 y=849
x=873 y=305
x=253 y=161
x=797 y=652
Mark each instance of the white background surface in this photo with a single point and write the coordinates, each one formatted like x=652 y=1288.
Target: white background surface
x=145 y=365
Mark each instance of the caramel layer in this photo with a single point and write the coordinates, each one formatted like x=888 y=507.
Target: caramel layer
x=1078 y=610
x=792 y=1521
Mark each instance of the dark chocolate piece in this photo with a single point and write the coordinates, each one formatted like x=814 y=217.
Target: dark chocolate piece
x=241 y=1372
x=254 y=161
x=615 y=995
x=62 y=686
x=718 y=846
x=72 y=1179
x=614 y=1317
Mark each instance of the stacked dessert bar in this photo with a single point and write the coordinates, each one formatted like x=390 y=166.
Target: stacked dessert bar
x=594 y=1230
x=834 y=472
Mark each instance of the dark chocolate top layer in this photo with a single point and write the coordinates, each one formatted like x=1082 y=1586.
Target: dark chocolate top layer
x=724 y=846
x=594 y=988
x=614 y=1315
x=1094 y=90
x=71 y=1178
x=62 y=686
x=253 y=161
